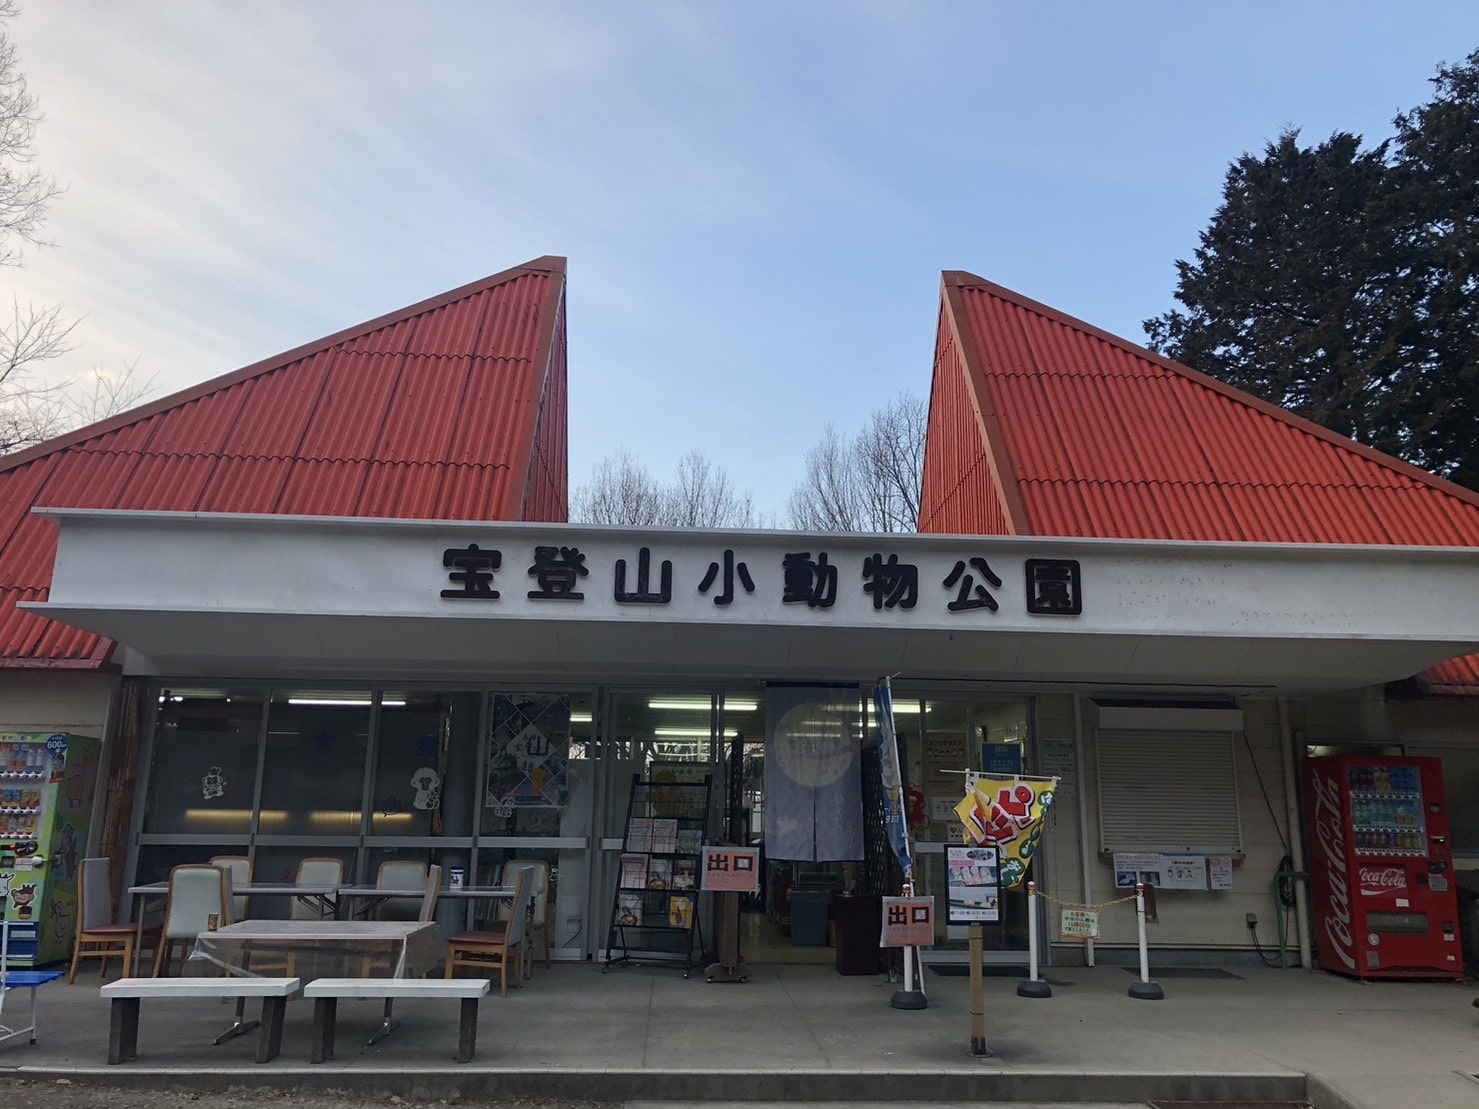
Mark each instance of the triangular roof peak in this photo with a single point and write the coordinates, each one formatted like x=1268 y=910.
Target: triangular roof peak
x=453 y=408
x=1087 y=433
x=549 y=265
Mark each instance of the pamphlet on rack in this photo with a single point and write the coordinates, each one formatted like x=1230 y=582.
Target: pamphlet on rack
x=633 y=871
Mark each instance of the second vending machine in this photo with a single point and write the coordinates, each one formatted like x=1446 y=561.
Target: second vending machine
x=1381 y=867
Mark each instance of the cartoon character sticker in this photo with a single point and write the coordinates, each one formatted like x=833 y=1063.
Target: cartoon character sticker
x=61 y=919
x=428 y=786
x=66 y=853
x=213 y=784
x=24 y=897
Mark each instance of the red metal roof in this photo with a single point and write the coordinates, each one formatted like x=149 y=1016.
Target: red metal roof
x=451 y=409
x=1041 y=424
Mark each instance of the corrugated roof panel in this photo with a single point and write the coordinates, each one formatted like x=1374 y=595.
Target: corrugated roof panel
x=475 y=492
x=166 y=483
x=428 y=400
x=1077 y=405
x=247 y=485
x=390 y=338
x=501 y=396
x=38 y=639
x=401 y=490
x=352 y=409
x=512 y=327
x=200 y=426
x=121 y=440
x=89 y=480
x=452 y=330
x=278 y=408
x=1457 y=676
x=324 y=487
x=30 y=553
x=22 y=486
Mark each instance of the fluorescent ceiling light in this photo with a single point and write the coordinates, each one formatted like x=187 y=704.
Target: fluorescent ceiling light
x=342 y=702
x=693 y=733
x=580 y=718
x=702 y=703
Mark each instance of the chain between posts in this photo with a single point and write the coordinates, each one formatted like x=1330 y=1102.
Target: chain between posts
x=1082 y=905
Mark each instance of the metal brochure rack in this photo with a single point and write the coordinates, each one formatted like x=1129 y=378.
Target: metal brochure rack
x=655 y=917
x=17 y=980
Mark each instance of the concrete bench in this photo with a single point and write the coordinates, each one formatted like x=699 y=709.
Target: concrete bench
x=326 y=993
x=126 y=993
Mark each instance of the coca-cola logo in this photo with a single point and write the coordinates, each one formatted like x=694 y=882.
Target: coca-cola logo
x=1376 y=880
x=1330 y=836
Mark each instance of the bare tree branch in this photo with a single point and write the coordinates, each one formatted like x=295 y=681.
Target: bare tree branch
x=870 y=483
x=25 y=192
x=621 y=491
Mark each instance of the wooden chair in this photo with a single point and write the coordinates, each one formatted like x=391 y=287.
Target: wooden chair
x=241 y=875
x=540 y=908
x=99 y=936
x=497 y=947
x=197 y=892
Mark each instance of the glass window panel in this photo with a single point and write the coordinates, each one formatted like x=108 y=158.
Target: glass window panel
x=205 y=762
x=411 y=764
x=313 y=774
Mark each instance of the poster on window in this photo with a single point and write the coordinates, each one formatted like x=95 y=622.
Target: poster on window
x=528 y=752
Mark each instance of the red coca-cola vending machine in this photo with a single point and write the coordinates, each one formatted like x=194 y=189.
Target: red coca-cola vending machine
x=1381 y=867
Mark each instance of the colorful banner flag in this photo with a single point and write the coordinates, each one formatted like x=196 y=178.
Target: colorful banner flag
x=1007 y=812
x=895 y=822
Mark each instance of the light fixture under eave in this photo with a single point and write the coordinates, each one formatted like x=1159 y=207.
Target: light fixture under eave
x=701 y=704
x=580 y=718
x=691 y=733
x=343 y=702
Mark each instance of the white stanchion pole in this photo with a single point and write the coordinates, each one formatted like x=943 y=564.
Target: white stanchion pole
x=910 y=997
x=1034 y=986
x=1145 y=989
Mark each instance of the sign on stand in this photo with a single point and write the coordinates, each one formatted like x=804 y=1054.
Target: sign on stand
x=732 y=869
x=908 y=922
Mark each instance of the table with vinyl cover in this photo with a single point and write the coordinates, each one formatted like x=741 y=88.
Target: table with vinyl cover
x=321 y=948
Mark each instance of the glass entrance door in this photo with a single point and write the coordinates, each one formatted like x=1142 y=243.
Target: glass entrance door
x=944 y=737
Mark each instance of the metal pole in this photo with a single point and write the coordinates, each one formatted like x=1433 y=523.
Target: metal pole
x=909 y=997
x=1145 y=989
x=1296 y=838
x=1081 y=772
x=1033 y=987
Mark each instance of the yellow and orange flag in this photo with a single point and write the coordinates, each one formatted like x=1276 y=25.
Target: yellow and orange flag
x=1007 y=812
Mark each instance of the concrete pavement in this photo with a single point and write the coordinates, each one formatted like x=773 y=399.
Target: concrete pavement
x=805 y=1033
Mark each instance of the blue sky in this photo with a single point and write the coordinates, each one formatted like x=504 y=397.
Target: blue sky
x=756 y=198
